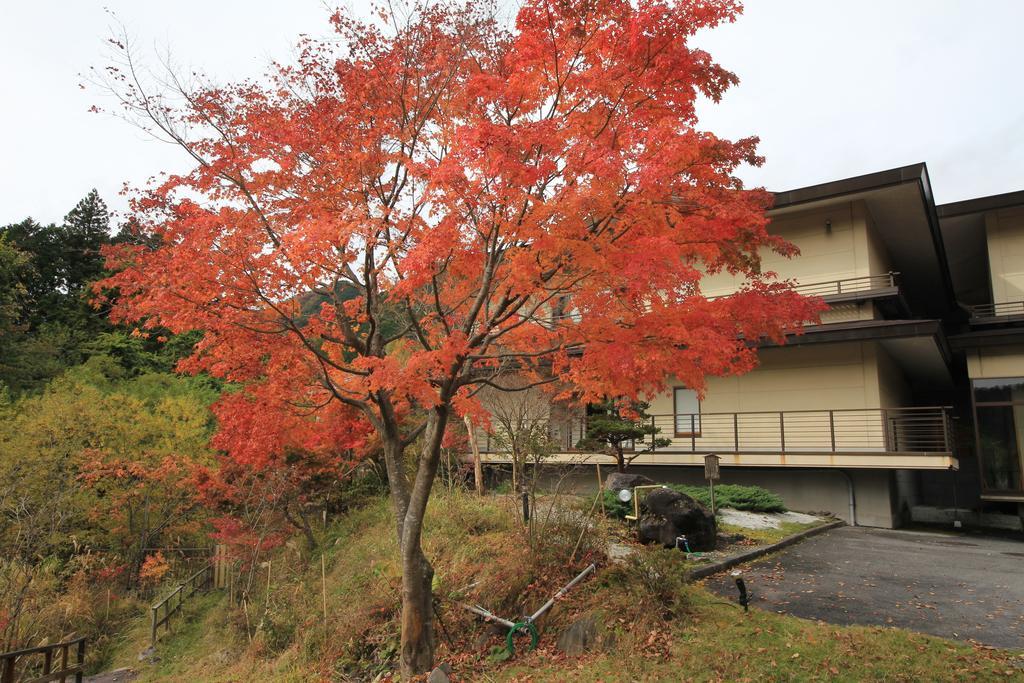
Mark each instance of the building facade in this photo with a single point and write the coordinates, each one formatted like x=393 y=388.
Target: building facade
x=906 y=402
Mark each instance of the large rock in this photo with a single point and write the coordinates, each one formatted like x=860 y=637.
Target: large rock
x=586 y=634
x=442 y=674
x=617 y=481
x=665 y=515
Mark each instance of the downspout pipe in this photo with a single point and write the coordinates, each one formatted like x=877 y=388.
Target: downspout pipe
x=853 y=497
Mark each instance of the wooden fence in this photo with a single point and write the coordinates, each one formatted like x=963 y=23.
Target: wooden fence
x=172 y=604
x=216 y=574
x=10 y=660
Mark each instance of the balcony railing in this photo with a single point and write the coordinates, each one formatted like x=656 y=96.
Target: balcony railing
x=846 y=286
x=831 y=288
x=988 y=311
x=884 y=430
x=852 y=285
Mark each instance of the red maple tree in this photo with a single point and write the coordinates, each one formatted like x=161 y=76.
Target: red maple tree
x=431 y=201
x=279 y=466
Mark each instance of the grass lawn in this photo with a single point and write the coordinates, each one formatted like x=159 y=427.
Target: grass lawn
x=660 y=627
x=769 y=536
x=715 y=642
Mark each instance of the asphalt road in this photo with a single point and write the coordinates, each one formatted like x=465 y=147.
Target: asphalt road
x=954 y=586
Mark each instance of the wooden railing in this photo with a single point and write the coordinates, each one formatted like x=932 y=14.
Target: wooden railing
x=172 y=604
x=872 y=430
x=9 y=662
x=983 y=311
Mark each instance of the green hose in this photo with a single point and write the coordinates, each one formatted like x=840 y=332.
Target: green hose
x=521 y=626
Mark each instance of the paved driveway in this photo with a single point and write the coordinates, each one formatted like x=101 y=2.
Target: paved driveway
x=962 y=587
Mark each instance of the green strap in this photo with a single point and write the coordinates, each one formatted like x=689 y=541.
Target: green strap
x=521 y=626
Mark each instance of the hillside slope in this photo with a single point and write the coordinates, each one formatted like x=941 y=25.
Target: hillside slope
x=654 y=627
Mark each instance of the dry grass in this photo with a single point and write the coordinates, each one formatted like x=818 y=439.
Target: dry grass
x=664 y=629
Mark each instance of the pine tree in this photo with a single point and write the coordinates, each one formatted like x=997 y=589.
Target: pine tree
x=623 y=429
x=86 y=228
x=54 y=316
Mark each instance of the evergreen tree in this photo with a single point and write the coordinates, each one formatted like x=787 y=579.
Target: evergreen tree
x=86 y=228
x=54 y=318
x=45 y=279
x=14 y=272
x=622 y=429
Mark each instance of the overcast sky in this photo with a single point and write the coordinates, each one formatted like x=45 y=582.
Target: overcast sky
x=833 y=89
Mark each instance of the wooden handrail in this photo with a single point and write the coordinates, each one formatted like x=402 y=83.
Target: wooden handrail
x=193 y=584
x=9 y=660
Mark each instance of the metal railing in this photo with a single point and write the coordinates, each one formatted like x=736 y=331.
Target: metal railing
x=872 y=430
x=851 y=285
x=172 y=604
x=10 y=660
x=982 y=311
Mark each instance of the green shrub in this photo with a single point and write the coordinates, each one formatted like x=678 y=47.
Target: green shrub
x=615 y=508
x=752 y=498
x=657 y=580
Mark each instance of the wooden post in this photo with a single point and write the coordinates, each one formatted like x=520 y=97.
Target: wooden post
x=81 y=660
x=478 y=468
x=217 y=567
x=152 y=623
x=64 y=661
x=600 y=488
x=711 y=473
x=323 y=580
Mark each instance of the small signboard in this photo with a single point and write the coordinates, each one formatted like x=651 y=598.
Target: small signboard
x=711 y=467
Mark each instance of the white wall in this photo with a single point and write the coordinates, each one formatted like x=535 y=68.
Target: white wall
x=996 y=361
x=849 y=249
x=1005 y=233
x=811 y=377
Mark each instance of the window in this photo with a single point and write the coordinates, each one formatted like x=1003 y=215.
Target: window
x=999 y=420
x=687 y=412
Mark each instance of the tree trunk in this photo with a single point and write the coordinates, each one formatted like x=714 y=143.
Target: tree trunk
x=515 y=472
x=478 y=469
x=302 y=524
x=620 y=459
x=417 y=614
x=417 y=648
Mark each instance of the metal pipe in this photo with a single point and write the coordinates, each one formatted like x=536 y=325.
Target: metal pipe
x=636 y=499
x=476 y=609
x=560 y=593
